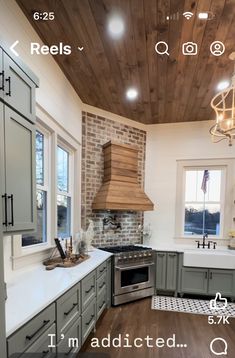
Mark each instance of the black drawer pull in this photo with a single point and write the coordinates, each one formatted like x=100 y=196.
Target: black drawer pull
x=45 y=322
x=12 y=210
x=92 y=316
x=102 y=269
x=68 y=353
x=102 y=304
x=68 y=312
x=172 y=255
x=101 y=286
x=8 y=79
x=3 y=81
x=5 y=207
x=161 y=255
x=211 y=275
x=89 y=289
x=45 y=353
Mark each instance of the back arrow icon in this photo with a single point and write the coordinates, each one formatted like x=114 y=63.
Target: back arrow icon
x=12 y=48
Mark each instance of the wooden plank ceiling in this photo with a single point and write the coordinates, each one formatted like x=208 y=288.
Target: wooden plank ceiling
x=173 y=88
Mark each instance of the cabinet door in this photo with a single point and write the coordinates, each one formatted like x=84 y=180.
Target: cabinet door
x=171 y=271
x=1 y=74
x=40 y=347
x=161 y=271
x=19 y=91
x=221 y=281
x=71 y=341
x=194 y=280
x=20 y=172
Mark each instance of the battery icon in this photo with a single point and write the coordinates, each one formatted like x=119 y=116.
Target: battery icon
x=207 y=15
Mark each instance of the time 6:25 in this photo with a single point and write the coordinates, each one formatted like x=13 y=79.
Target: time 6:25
x=45 y=16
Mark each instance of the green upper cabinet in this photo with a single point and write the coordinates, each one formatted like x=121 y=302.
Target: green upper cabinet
x=17 y=145
x=19 y=168
x=19 y=90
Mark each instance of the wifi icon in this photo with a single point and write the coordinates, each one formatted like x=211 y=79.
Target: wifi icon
x=188 y=15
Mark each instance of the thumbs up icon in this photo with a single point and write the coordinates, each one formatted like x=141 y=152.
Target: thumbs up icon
x=219 y=303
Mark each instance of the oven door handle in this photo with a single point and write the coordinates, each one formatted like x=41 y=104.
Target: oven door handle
x=133 y=267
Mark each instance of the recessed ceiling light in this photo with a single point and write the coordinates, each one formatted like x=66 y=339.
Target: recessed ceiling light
x=223 y=85
x=132 y=93
x=116 y=26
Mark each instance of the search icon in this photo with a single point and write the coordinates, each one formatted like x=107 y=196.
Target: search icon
x=161 y=48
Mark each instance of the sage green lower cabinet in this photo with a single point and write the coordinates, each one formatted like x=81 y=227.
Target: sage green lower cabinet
x=194 y=280
x=70 y=341
x=204 y=281
x=70 y=319
x=41 y=346
x=20 y=341
x=88 y=319
x=68 y=309
x=222 y=281
x=166 y=271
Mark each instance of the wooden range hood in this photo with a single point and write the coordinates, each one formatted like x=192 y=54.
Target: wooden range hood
x=120 y=189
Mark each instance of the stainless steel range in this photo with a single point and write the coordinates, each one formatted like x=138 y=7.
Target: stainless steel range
x=133 y=272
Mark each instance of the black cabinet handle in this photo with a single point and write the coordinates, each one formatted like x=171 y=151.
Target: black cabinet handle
x=68 y=312
x=211 y=275
x=101 y=286
x=5 y=208
x=102 y=269
x=68 y=353
x=8 y=79
x=45 y=322
x=12 y=210
x=101 y=304
x=206 y=275
x=92 y=316
x=2 y=74
x=44 y=353
x=89 y=289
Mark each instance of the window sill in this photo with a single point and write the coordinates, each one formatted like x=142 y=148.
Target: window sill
x=31 y=258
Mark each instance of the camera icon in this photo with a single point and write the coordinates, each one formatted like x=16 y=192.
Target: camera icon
x=189 y=49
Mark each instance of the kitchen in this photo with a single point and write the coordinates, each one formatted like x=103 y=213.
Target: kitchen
x=99 y=114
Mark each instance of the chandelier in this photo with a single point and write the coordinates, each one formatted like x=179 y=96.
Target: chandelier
x=224 y=106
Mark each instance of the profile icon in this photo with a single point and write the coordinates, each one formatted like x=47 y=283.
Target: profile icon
x=217 y=48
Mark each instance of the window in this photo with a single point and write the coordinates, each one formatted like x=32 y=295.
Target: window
x=202 y=189
x=202 y=201
x=63 y=192
x=41 y=193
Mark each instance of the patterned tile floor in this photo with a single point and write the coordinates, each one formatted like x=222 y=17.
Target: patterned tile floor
x=188 y=305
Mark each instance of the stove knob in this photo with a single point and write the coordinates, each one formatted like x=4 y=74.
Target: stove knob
x=150 y=254
x=140 y=255
x=124 y=257
x=145 y=254
x=130 y=257
x=135 y=255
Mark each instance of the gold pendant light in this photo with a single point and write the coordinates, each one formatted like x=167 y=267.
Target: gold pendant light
x=224 y=106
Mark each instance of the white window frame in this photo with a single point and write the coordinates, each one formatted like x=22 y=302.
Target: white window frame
x=34 y=254
x=226 y=217
x=70 y=193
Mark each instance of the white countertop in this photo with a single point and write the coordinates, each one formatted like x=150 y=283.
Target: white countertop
x=34 y=290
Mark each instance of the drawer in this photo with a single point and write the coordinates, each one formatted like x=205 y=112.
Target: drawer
x=68 y=308
x=88 y=289
x=31 y=331
x=101 y=282
x=71 y=343
x=88 y=320
x=101 y=302
x=42 y=343
x=100 y=270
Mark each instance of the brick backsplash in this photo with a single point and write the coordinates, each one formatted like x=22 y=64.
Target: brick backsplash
x=97 y=131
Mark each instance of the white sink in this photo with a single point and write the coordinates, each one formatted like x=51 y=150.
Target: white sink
x=224 y=259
